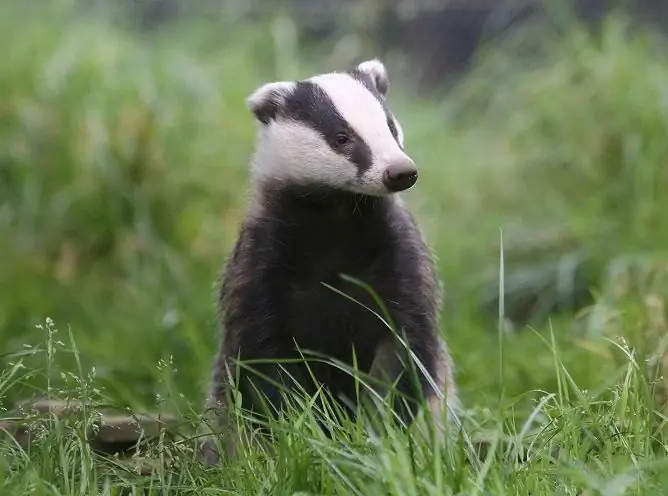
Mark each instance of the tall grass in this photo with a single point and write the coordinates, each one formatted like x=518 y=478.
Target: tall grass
x=123 y=169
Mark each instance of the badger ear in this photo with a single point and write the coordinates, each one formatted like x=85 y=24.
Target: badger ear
x=267 y=100
x=376 y=70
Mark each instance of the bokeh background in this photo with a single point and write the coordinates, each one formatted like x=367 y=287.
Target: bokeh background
x=539 y=127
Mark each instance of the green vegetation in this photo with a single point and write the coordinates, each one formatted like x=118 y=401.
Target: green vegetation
x=123 y=176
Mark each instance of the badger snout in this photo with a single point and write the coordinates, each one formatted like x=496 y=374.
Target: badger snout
x=400 y=176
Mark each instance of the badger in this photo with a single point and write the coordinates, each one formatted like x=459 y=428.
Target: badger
x=326 y=175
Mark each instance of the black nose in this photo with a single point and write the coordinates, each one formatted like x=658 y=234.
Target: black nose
x=400 y=176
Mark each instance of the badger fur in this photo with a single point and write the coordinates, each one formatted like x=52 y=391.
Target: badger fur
x=328 y=165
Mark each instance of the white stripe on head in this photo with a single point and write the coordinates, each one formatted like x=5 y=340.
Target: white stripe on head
x=364 y=114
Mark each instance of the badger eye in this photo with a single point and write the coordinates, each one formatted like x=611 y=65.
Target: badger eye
x=342 y=139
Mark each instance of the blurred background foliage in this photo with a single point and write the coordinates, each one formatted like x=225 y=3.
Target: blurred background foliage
x=124 y=145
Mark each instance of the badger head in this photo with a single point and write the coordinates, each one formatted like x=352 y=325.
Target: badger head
x=333 y=130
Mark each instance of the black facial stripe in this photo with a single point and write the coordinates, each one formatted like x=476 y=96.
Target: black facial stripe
x=310 y=105
x=393 y=128
x=366 y=80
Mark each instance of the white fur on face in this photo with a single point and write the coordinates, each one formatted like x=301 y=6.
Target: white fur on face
x=293 y=152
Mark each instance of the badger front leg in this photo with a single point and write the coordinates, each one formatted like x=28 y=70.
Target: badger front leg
x=392 y=364
x=218 y=420
x=261 y=386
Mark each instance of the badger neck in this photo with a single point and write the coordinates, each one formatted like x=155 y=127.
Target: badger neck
x=304 y=205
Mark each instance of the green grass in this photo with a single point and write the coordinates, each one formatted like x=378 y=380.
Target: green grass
x=123 y=176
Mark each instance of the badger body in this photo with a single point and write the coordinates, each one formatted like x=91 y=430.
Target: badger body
x=329 y=163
